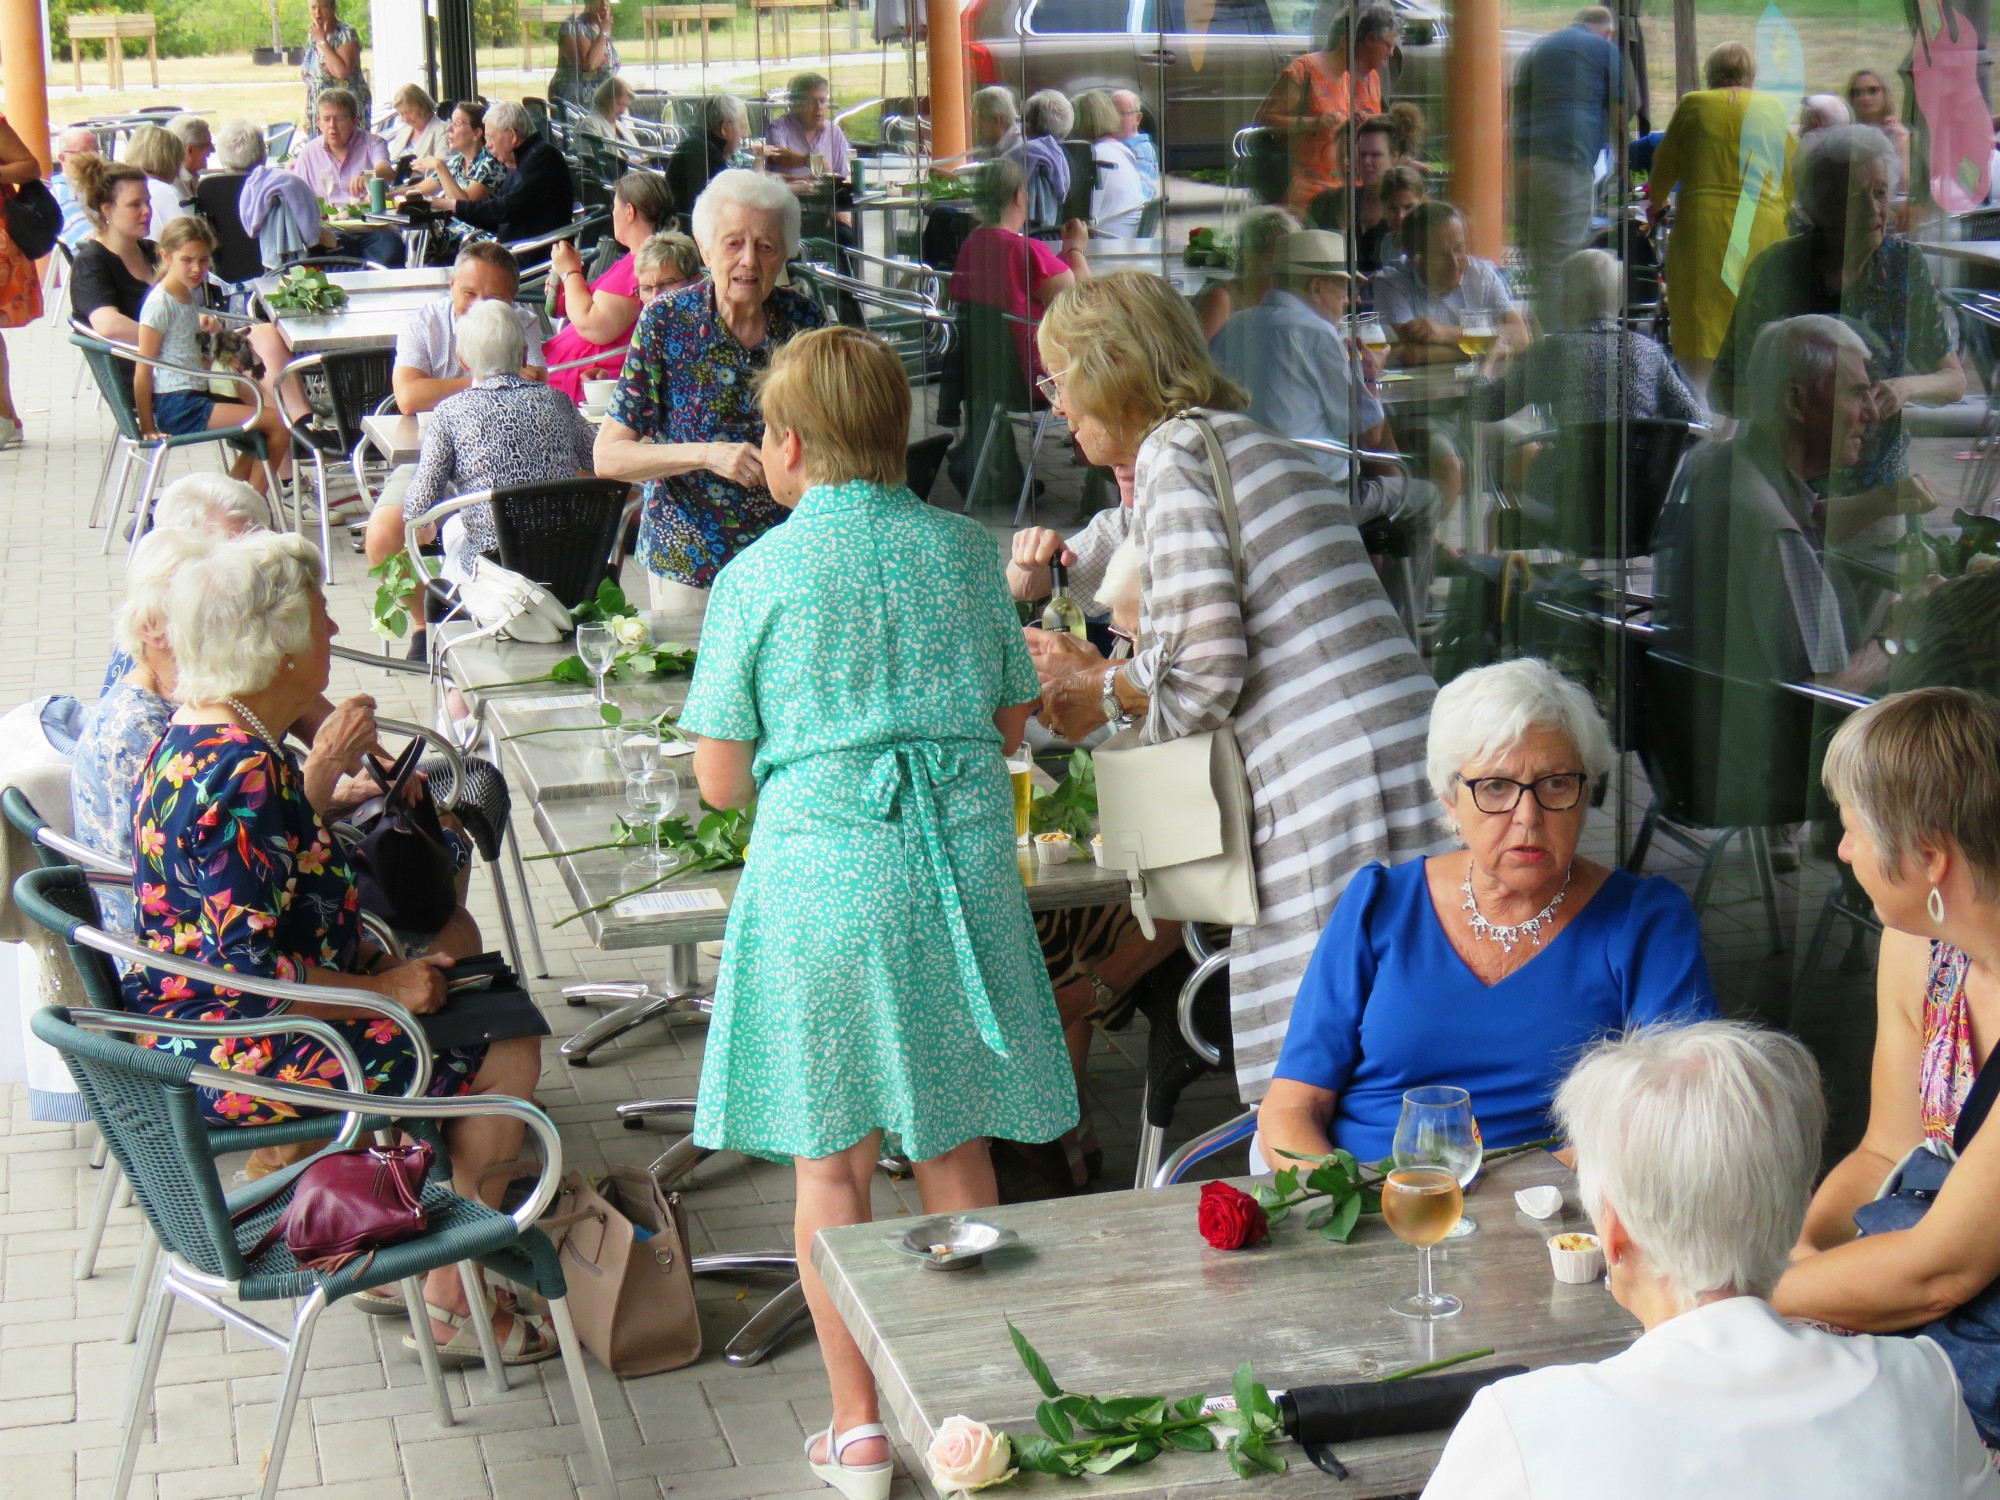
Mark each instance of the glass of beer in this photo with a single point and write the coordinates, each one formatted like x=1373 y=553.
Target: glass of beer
x=1436 y=1129
x=1420 y=1205
x=1021 y=768
x=1475 y=337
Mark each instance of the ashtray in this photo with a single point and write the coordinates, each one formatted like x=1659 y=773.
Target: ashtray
x=955 y=1243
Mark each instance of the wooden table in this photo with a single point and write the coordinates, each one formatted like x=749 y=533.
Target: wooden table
x=680 y=17
x=1121 y=1297
x=531 y=16
x=780 y=12
x=114 y=32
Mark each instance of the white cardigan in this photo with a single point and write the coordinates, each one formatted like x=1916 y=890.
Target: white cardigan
x=1727 y=1402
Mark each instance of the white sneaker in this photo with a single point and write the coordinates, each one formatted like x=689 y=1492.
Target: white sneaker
x=10 y=433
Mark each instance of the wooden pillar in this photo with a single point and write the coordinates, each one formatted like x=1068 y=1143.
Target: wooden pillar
x=949 y=128
x=1474 y=116
x=1687 y=56
x=24 y=78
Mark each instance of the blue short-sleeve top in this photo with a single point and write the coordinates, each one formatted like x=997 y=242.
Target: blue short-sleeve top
x=1388 y=1005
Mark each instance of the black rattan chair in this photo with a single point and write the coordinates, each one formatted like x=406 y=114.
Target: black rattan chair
x=341 y=387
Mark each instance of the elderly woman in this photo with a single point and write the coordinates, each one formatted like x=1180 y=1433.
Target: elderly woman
x=1848 y=264
x=197 y=145
x=1119 y=199
x=160 y=155
x=1257 y=236
x=1046 y=121
x=236 y=868
x=465 y=170
x=610 y=112
x=1487 y=968
x=1915 y=776
x=916 y=1001
x=602 y=312
x=1323 y=93
x=1333 y=788
x=698 y=159
x=585 y=55
x=663 y=265
x=333 y=59
x=685 y=419
x=1725 y=163
x=418 y=131
x=501 y=430
x=1695 y=1149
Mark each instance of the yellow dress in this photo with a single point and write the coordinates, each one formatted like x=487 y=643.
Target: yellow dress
x=1716 y=143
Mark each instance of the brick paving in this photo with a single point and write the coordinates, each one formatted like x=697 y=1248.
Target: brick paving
x=365 y=1430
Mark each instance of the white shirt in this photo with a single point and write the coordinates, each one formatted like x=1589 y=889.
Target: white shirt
x=1727 y=1402
x=430 y=141
x=429 y=341
x=167 y=206
x=1120 y=195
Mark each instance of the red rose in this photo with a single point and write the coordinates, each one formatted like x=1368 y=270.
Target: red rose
x=1230 y=1219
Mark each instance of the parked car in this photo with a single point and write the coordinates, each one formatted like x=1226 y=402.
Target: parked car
x=1202 y=82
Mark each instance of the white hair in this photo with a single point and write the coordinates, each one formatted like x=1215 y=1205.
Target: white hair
x=1825 y=111
x=507 y=114
x=191 y=130
x=490 y=339
x=720 y=107
x=995 y=102
x=213 y=504
x=1795 y=351
x=76 y=138
x=1048 y=112
x=237 y=610
x=1704 y=1140
x=1489 y=710
x=1593 y=284
x=1825 y=165
x=147 y=581
x=758 y=191
x=239 y=145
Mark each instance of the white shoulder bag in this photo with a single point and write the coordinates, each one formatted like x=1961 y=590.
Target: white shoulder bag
x=1175 y=817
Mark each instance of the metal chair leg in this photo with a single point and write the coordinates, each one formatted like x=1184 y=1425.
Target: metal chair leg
x=1635 y=861
x=420 y=1332
x=672 y=1166
x=100 y=1214
x=506 y=915
x=769 y=1326
x=482 y=1325
x=996 y=420
x=1709 y=864
x=1025 y=505
x=633 y=1116
x=1758 y=842
x=139 y=1385
x=527 y=899
x=144 y=1274
x=1152 y=1147
x=288 y=1391
x=586 y=1404
x=142 y=507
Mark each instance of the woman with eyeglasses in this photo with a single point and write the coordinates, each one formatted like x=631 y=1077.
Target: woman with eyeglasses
x=603 y=309
x=1492 y=967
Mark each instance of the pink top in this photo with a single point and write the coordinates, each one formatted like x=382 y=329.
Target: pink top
x=1949 y=1066
x=999 y=268
x=622 y=280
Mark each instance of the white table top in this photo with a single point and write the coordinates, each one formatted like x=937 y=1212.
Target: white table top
x=433 y=278
x=361 y=327
x=396 y=437
x=1978 y=252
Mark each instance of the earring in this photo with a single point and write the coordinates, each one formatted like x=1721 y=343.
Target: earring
x=1934 y=904
x=1457 y=832
x=288 y=664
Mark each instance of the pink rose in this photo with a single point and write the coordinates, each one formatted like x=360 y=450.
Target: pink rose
x=967 y=1455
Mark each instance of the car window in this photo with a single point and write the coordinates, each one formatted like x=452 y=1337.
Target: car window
x=1231 y=17
x=1051 y=17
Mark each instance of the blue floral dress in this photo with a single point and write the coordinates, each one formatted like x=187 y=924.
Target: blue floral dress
x=448 y=234
x=318 y=80
x=119 y=731
x=865 y=646
x=236 y=870
x=687 y=380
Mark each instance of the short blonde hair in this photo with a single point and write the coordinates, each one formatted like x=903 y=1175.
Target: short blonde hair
x=237 y=610
x=1730 y=66
x=669 y=250
x=1923 y=767
x=1131 y=354
x=1096 y=115
x=141 y=620
x=156 y=152
x=415 y=94
x=847 y=396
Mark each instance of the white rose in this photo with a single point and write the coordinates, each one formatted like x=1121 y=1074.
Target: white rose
x=969 y=1455
x=630 y=630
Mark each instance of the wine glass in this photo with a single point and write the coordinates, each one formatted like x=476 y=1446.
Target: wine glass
x=1420 y=1204
x=646 y=796
x=596 y=648
x=1437 y=1130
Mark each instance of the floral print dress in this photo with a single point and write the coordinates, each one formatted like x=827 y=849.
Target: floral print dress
x=688 y=380
x=318 y=80
x=1948 y=1068
x=236 y=870
x=865 y=646
x=484 y=170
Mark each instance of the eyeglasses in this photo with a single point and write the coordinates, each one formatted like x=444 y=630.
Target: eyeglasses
x=1046 y=387
x=1557 y=793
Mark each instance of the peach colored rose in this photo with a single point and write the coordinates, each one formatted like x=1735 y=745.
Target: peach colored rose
x=967 y=1455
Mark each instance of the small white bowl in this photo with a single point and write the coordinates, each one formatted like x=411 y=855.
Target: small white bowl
x=1573 y=1265
x=1052 y=848
x=1540 y=1202
x=1097 y=851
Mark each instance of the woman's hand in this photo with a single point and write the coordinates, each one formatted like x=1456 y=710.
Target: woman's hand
x=1075 y=237
x=739 y=463
x=1057 y=653
x=1035 y=547
x=347 y=734
x=1073 y=705
x=416 y=984
x=564 y=259
x=207 y=324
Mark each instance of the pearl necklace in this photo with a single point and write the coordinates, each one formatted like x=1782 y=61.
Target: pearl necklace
x=1507 y=937
x=236 y=706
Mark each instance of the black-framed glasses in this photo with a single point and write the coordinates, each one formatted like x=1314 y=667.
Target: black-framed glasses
x=1554 y=793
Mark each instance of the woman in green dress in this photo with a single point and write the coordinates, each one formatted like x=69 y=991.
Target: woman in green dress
x=862 y=672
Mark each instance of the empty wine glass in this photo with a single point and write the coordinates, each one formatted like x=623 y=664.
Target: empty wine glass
x=1436 y=1129
x=596 y=648
x=654 y=799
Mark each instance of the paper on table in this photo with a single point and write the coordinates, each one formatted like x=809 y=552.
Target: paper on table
x=671 y=903
x=565 y=700
x=670 y=748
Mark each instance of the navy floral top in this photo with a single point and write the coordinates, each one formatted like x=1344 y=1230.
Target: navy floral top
x=687 y=380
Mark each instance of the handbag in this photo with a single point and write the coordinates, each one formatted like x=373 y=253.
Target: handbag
x=402 y=864
x=352 y=1203
x=33 y=219
x=623 y=1247
x=1970 y=1333
x=1175 y=817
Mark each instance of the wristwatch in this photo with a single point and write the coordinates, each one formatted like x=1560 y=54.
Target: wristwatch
x=1102 y=996
x=1114 y=711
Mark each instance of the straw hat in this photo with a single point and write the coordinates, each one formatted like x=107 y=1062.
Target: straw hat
x=1311 y=252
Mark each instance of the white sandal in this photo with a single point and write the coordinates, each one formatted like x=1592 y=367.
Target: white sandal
x=862 y=1481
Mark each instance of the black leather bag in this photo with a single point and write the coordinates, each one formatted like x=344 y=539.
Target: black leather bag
x=33 y=219
x=402 y=862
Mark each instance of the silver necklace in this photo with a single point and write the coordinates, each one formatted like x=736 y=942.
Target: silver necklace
x=236 y=706
x=1507 y=937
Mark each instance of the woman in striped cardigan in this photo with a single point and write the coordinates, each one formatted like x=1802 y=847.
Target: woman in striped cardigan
x=1329 y=698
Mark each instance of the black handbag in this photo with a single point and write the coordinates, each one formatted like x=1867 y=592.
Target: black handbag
x=33 y=219
x=401 y=861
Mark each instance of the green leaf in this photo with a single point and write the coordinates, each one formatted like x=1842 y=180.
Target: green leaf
x=1104 y=1463
x=1037 y=1367
x=1244 y=1387
x=1148 y=1450
x=611 y=713
x=1094 y=1417
x=1038 y=1454
x=1273 y=1217
x=1318 y=1217
x=1189 y=1407
x=1049 y=1417
x=569 y=669
x=1287 y=1182
x=1341 y=1225
x=1253 y=1455
x=1190 y=1439
x=1126 y=1410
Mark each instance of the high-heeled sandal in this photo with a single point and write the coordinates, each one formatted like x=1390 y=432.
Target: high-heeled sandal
x=860 y=1481
x=528 y=1340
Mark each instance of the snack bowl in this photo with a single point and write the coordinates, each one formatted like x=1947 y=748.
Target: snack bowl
x=1052 y=848
x=1576 y=1258
x=1540 y=1202
x=954 y=1243
x=1097 y=851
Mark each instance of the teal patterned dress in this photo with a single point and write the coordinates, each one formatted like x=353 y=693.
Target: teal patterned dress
x=881 y=969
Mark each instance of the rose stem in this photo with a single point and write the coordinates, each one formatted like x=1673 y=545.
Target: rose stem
x=1436 y=1364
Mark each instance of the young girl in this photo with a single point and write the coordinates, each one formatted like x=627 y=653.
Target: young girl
x=172 y=404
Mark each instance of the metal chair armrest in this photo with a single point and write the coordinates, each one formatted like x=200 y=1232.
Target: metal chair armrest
x=324 y=1032
x=93 y=860
x=1206 y=962
x=131 y=352
x=386 y=663
x=1353 y=454
x=383 y=934
x=435 y=516
x=443 y=744
x=589 y=359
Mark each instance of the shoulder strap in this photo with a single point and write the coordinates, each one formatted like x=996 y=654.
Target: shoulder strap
x=1225 y=487
x=1978 y=1102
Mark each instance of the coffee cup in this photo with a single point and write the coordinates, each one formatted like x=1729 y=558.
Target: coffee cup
x=597 y=394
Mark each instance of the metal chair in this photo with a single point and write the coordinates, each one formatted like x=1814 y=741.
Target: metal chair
x=1178 y=1049
x=1392 y=542
x=238 y=258
x=341 y=387
x=996 y=391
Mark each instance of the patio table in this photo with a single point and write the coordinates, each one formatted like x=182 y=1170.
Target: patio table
x=1121 y=1296
x=362 y=327
x=429 y=281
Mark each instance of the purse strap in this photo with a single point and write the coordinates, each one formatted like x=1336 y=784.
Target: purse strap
x=1225 y=487
x=1978 y=1102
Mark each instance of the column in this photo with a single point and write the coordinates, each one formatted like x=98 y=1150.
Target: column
x=24 y=78
x=1476 y=123
x=947 y=66
x=395 y=45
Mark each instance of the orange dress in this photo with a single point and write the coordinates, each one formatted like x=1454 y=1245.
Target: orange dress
x=1329 y=97
x=20 y=286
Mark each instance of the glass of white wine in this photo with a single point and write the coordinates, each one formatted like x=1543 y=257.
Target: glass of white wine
x=1436 y=1129
x=1420 y=1204
x=597 y=649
